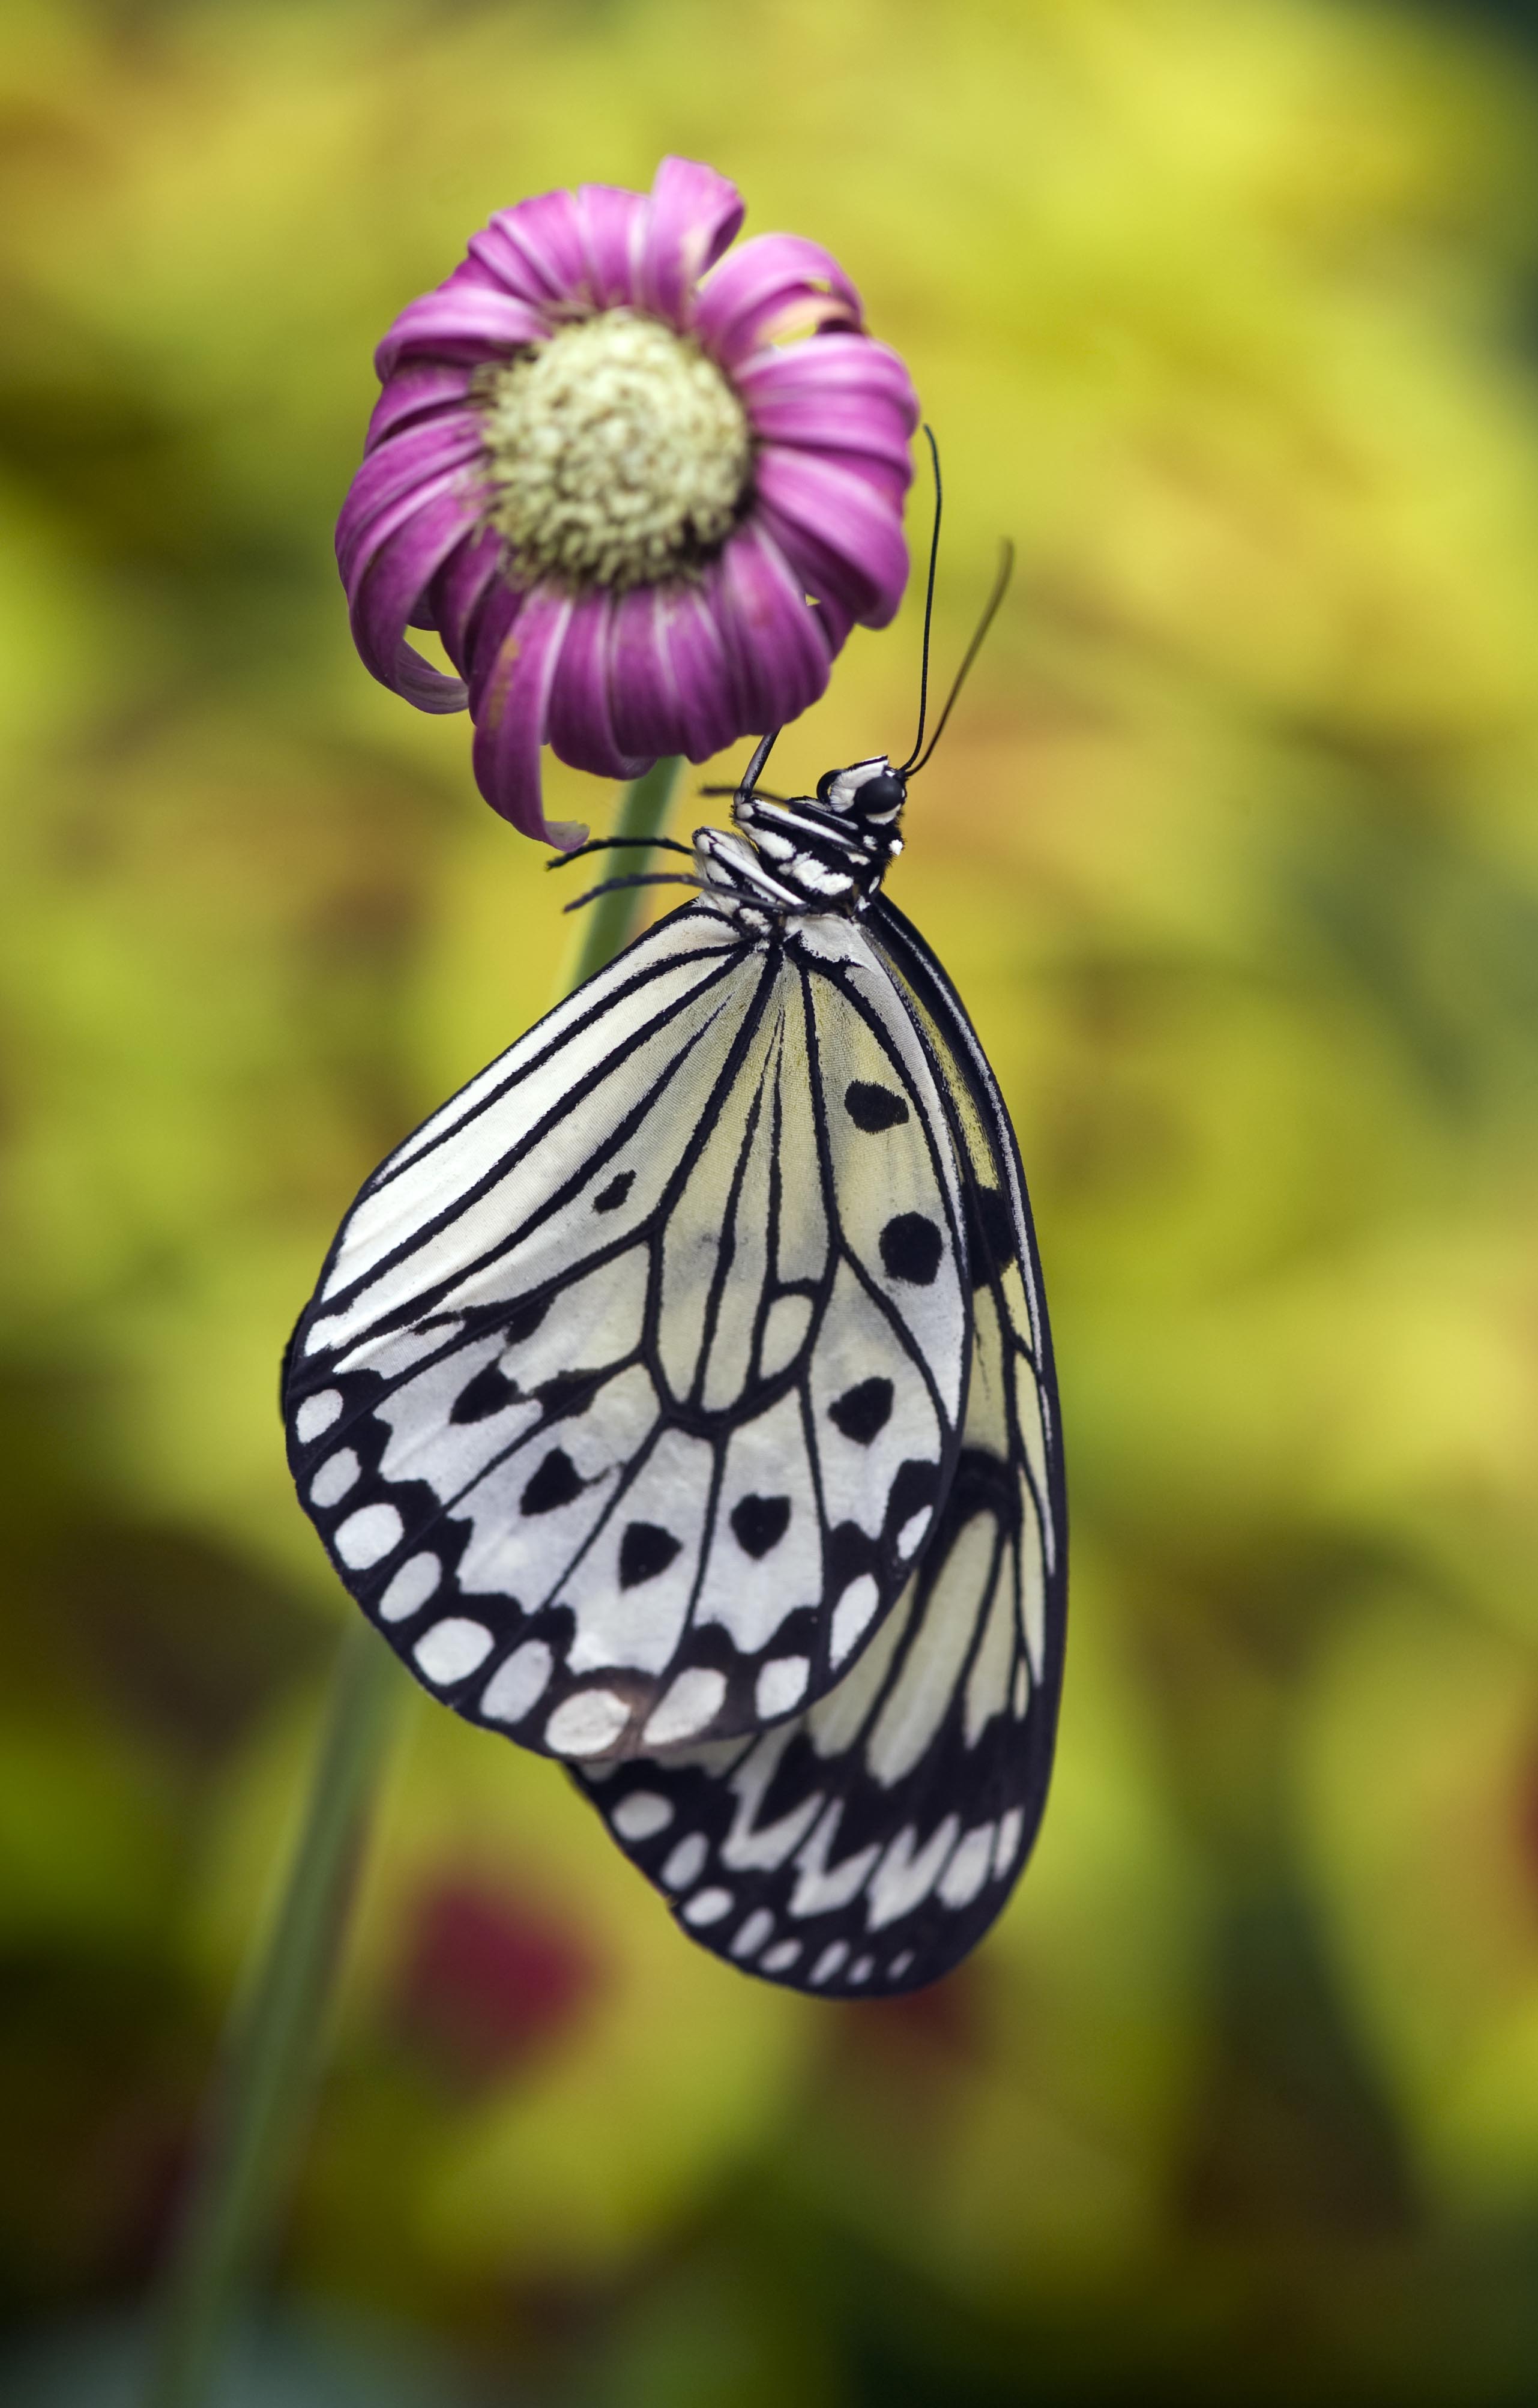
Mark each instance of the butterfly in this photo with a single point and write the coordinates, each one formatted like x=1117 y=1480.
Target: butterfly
x=679 y=1401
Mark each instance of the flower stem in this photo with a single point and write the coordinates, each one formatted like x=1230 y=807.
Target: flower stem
x=610 y=921
x=274 y=2043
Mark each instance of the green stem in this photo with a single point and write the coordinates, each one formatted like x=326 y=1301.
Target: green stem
x=610 y=922
x=275 y=2043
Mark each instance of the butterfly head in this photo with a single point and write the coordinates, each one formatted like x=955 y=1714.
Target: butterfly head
x=872 y=793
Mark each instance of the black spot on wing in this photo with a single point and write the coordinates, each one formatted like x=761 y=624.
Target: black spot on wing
x=645 y=1551
x=525 y=1321
x=555 y=1483
x=486 y=1395
x=862 y=1412
x=990 y=1232
x=610 y=1197
x=872 y=1106
x=759 y=1523
x=911 y=1249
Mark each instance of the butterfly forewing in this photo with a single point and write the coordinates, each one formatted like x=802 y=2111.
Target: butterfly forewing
x=865 y=1844
x=634 y=1379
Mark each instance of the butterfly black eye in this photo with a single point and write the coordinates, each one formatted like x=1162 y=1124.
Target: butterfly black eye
x=881 y=795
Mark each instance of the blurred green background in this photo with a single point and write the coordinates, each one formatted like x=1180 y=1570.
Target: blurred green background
x=1228 y=311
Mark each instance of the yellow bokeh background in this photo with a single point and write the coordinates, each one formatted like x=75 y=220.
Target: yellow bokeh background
x=1225 y=310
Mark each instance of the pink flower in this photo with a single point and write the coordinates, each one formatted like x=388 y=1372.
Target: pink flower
x=607 y=474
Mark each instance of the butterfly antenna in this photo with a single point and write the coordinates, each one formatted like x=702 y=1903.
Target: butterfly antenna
x=928 y=604
x=990 y=611
x=645 y=878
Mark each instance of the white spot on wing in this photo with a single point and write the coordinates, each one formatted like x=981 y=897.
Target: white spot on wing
x=453 y=1648
x=708 y=1906
x=905 y=1876
x=754 y=1933
x=336 y=1476
x=518 y=1683
x=686 y=1862
x=587 y=1723
x=693 y=1699
x=782 y=1956
x=410 y=1587
x=317 y=1413
x=781 y=1686
x=818 y=1889
x=641 y=1815
x=830 y=1961
x=851 y=1614
x=1009 y=1828
x=913 y=1530
x=968 y=1870
x=366 y=1536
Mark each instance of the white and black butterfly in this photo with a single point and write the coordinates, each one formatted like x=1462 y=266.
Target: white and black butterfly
x=679 y=1401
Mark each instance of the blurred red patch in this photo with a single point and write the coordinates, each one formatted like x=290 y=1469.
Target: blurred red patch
x=488 y=1980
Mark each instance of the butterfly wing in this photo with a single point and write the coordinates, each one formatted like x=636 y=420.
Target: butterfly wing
x=866 y=1845
x=633 y=1379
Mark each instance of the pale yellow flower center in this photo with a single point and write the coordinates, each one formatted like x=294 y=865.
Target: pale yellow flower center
x=617 y=453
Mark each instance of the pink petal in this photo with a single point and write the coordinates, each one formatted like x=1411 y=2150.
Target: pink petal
x=691 y=217
x=416 y=462
x=841 y=538
x=777 y=651
x=845 y=436
x=852 y=364
x=776 y=285
x=581 y=727
x=465 y=322
x=512 y=715
x=612 y=223
x=536 y=248
x=503 y=601
x=701 y=672
x=414 y=393
x=387 y=592
x=459 y=591
x=646 y=716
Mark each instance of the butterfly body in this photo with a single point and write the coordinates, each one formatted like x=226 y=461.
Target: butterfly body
x=679 y=1401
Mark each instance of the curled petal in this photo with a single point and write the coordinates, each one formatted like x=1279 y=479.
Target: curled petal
x=415 y=393
x=536 y=248
x=385 y=598
x=459 y=591
x=776 y=649
x=411 y=466
x=581 y=727
x=776 y=285
x=511 y=713
x=841 y=537
x=611 y=223
x=460 y=321
x=500 y=606
x=691 y=217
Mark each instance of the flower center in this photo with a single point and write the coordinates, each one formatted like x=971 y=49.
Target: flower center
x=617 y=453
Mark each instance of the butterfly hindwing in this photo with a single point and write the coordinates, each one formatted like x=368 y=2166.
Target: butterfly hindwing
x=634 y=1377
x=866 y=1844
